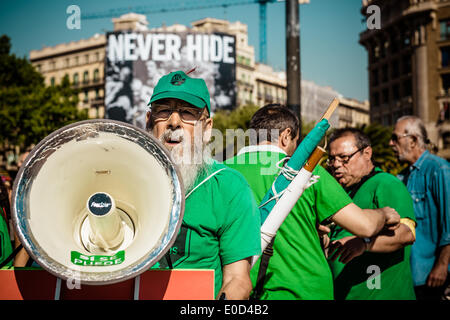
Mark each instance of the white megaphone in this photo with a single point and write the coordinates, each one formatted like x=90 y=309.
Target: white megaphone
x=98 y=201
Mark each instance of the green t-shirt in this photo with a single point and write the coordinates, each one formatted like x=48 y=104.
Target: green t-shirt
x=221 y=224
x=5 y=242
x=355 y=280
x=298 y=268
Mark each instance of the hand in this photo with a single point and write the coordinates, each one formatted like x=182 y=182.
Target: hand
x=323 y=230
x=347 y=248
x=392 y=221
x=437 y=276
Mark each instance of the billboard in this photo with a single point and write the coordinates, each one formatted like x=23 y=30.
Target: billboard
x=135 y=60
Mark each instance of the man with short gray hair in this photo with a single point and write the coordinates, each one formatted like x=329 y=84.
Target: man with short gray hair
x=428 y=180
x=350 y=162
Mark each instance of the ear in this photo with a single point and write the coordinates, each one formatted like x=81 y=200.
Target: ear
x=414 y=141
x=368 y=152
x=207 y=129
x=147 y=120
x=284 y=138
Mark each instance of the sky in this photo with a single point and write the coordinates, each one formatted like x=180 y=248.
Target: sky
x=329 y=31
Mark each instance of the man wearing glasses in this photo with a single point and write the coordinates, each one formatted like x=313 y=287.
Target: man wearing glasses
x=428 y=180
x=297 y=268
x=350 y=257
x=220 y=228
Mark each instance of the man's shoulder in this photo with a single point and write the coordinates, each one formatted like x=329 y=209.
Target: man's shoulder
x=226 y=173
x=382 y=178
x=434 y=162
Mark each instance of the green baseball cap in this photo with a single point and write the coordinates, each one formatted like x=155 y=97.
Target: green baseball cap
x=180 y=86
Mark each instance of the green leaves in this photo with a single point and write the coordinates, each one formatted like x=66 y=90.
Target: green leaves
x=29 y=111
x=383 y=156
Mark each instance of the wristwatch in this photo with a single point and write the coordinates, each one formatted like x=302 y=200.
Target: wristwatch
x=367 y=241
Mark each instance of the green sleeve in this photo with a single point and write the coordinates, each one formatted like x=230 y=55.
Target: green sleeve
x=331 y=197
x=400 y=200
x=5 y=241
x=239 y=234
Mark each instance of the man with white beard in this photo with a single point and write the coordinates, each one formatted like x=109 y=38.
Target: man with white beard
x=220 y=228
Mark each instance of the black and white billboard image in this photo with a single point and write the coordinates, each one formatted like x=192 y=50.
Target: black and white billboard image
x=135 y=61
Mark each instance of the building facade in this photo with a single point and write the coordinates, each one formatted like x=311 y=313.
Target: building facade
x=409 y=64
x=258 y=84
x=83 y=62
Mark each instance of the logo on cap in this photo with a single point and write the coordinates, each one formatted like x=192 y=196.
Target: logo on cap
x=177 y=80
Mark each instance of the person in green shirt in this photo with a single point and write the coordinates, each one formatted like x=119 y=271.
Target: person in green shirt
x=376 y=267
x=298 y=268
x=5 y=241
x=220 y=227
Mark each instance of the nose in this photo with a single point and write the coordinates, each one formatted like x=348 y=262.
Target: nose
x=174 y=121
x=336 y=164
x=391 y=143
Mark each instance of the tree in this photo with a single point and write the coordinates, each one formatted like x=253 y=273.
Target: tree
x=236 y=119
x=383 y=156
x=29 y=110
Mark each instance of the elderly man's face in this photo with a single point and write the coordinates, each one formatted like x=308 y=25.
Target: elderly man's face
x=179 y=125
x=348 y=163
x=401 y=142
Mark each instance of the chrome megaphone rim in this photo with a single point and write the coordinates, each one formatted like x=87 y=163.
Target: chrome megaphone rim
x=84 y=130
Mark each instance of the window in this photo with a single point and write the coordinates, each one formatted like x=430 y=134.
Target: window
x=406 y=66
x=96 y=75
x=407 y=88
x=385 y=73
x=445 y=29
x=396 y=92
x=376 y=99
x=86 y=58
x=386 y=120
x=75 y=78
x=446 y=140
x=375 y=80
x=445 y=56
x=86 y=77
x=86 y=96
x=395 y=69
x=52 y=81
x=445 y=82
x=444 y=113
x=385 y=96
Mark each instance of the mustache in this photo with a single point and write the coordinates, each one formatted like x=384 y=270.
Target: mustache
x=173 y=135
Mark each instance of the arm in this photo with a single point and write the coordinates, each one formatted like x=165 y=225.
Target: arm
x=438 y=274
x=357 y=221
x=390 y=241
x=236 y=283
x=21 y=259
x=441 y=187
x=351 y=247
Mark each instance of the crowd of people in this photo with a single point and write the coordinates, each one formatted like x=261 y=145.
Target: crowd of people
x=355 y=233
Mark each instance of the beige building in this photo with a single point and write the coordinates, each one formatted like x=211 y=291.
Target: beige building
x=258 y=84
x=409 y=64
x=353 y=113
x=83 y=62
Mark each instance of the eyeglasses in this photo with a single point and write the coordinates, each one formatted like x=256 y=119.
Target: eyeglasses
x=344 y=159
x=396 y=137
x=187 y=114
